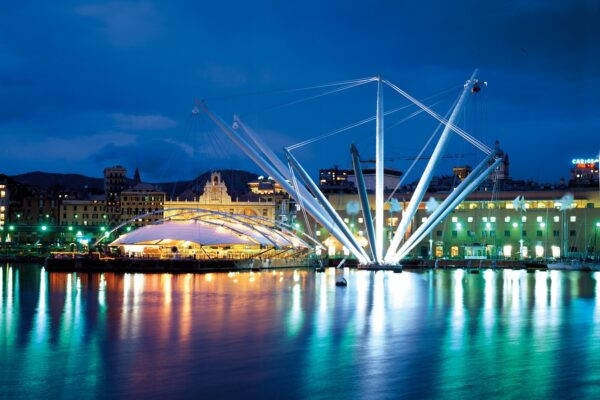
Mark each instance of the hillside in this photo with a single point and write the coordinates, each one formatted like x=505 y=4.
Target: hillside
x=236 y=181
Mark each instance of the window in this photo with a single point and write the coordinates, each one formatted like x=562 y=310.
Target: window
x=470 y=233
x=483 y=234
x=470 y=219
x=524 y=233
x=556 y=218
x=492 y=219
x=539 y=219
x=572 y=232
x=506 y=219
x=454 y=219
x=538 y=233
x=555 y=233
x=492 y=233
x=573 y=218
x=424 y=219
x=438 y=233
x=506 y=233
x=523 y=219
x=484 y=219
x=360 y=220
x=454 y=234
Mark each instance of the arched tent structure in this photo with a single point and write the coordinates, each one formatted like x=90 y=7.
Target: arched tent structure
x=211 y=235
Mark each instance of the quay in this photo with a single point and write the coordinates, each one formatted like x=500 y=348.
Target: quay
x=95 y=263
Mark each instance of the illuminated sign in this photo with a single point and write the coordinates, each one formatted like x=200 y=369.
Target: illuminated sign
x=578 y=161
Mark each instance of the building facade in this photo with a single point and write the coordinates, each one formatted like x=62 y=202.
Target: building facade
x=216 y=198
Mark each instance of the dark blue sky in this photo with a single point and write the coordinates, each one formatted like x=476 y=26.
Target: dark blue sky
x=85 y=85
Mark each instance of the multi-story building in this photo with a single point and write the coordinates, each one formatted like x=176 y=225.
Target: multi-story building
x=216 y=198
x=141 y=199
x=115 y=181
x=270 y=191
x=4 y=203
x=487 y=225
x=84 y=212
x=584 y=172
x=336 y=180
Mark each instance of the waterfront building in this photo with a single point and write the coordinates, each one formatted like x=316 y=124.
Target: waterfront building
x=271 y=191
x=216 y=198
x=336 y=180
x=143 y=198
x=487 y=225
x=115 y=181
x=584 y=172
x=4 y=202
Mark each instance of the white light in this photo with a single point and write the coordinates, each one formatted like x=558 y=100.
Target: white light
x=506 y=219
x=515 y=225
x=470 y=219
x=539 y=251
x=555 y=251
x=542 y=224
x=458 y=225
x=507 y=250
x=488 y=225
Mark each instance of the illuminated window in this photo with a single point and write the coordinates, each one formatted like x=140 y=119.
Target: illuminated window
x=509 y=206
x=2 y=193
x=439 y=251
x=360 y=220
x=539 y=219
x=484 y=219
x=523 y=219
x=573 y=218
x=318 y=233
x=454 y=251
x=346 y=220
x=454 y=219
x=506 y=219
x=470 y=219
x=492 y=219
x=556 y=218
x=424 y=219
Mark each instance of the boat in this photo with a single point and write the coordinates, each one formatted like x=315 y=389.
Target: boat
x=341 y=282
x=574 y=265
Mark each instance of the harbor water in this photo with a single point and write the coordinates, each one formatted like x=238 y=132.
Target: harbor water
x=294 y=334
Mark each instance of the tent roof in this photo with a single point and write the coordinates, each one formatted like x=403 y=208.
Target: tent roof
x=207 y=233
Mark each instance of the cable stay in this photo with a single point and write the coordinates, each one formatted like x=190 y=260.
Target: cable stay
x=475 y=142
x=293 y=90
x=360 y=123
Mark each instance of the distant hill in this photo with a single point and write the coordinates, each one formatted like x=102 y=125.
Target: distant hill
x=236 y=181
x=48 y=179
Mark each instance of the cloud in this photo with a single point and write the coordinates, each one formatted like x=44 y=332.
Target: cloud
x=142 y=122
x=125 y=23
x=163 y=159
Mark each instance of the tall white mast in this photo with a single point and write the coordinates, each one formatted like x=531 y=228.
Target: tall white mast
x=379 y=188
x=423 y=184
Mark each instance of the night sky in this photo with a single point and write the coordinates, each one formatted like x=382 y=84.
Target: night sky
x=84 y=85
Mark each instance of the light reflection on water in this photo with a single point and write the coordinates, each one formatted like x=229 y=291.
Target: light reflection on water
x=294 y=334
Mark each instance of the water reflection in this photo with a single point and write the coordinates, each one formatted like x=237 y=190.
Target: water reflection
x=294 y=334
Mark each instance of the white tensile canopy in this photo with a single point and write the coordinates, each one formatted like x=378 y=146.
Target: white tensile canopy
x=209 y=233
